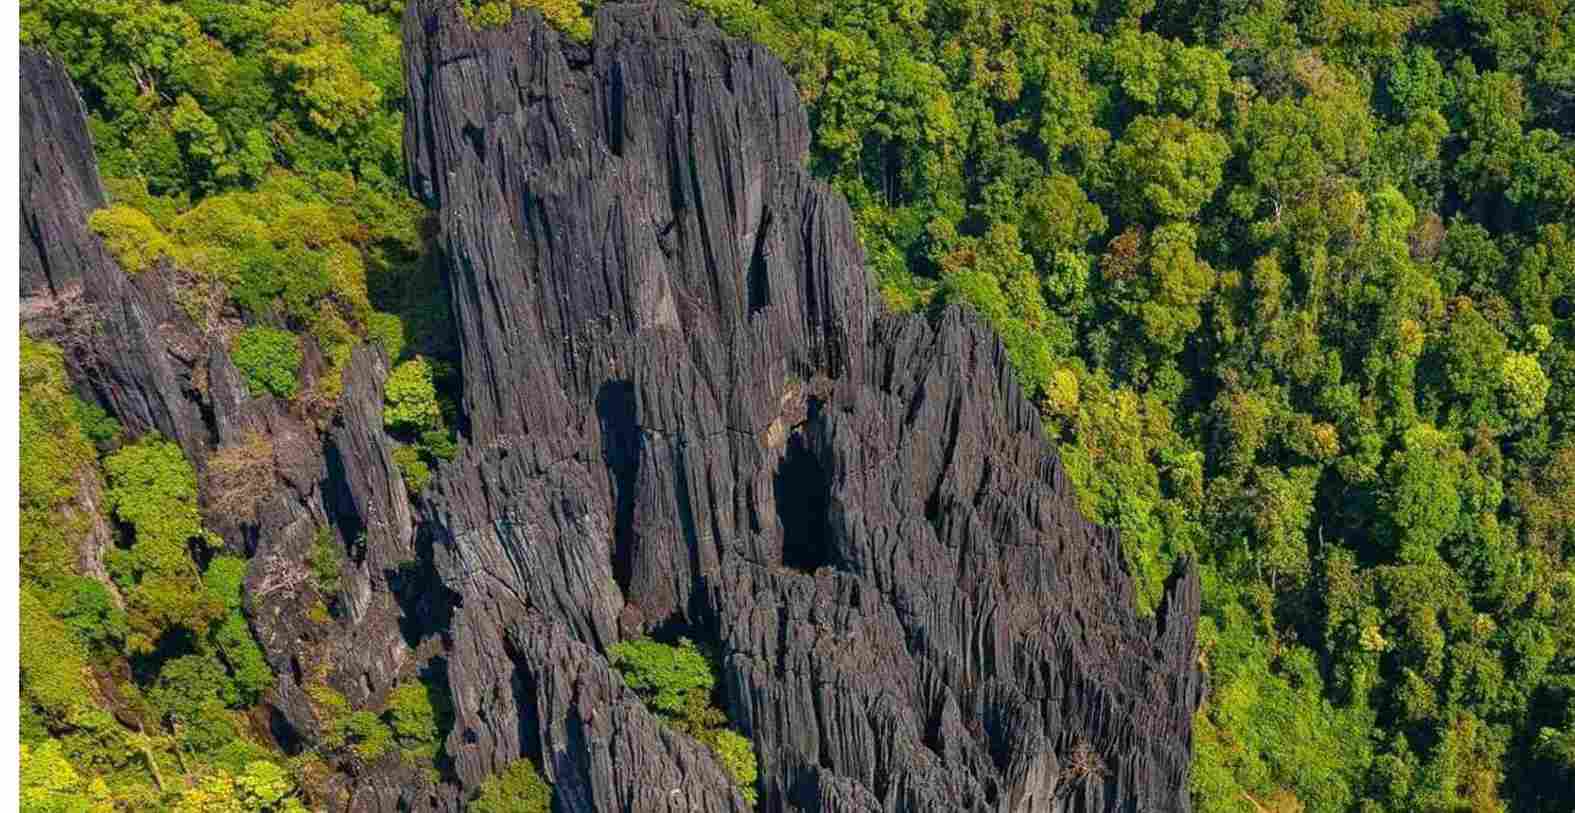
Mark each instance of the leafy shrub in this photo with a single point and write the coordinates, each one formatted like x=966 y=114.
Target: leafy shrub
x=330 y=706
x=666 y=676
x=387 y=330
x=154 y=489
x=260 y=786
x=93 y=615
x=188 y=685
x=410 y=713
x=518 y=788
x=366 y=735
x=362 y=732
x=419 y=713
x=50 y=784
x=412 y=468
x=268 y=358
x=567 y=16
x=409 y=399
x=738 y=757
x=225 y=578
x=249 y=672
x=97 y=424
x=439 y=444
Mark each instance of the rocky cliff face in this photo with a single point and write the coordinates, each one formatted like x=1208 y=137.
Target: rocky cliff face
x=686 y=412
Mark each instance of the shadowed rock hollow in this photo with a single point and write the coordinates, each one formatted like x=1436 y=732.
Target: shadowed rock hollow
x=686 y=410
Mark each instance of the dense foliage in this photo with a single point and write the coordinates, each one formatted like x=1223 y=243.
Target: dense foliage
x=1292 y=283
x=130 y=678
x=413 y=412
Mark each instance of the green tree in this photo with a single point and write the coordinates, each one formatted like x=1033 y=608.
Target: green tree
x=1525 y=385
x=54 y=460
x=308 y=48
x=153 y=489
x=1166 y=168
x=1423 y=497
x=53 y=662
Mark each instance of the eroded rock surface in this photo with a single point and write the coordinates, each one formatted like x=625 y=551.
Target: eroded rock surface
x=686 y=411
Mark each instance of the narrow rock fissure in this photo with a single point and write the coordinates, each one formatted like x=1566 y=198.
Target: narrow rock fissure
x=759 y=279
x=802 y=489
x=622 y=446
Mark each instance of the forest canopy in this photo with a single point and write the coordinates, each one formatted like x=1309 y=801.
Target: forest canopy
x=1293 y=285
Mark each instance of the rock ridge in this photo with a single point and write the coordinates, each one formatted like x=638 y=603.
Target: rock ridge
x=687 y=412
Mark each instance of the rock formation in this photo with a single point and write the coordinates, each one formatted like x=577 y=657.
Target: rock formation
x=685 y=412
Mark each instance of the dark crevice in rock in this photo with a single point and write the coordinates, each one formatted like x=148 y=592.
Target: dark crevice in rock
x=347 y=518
x=478 y=141
x=621 y=450
x=759 y=280
x=526 y=688
x=426 y=603
x=284 y=735
x=615 y=106
x=802 y=489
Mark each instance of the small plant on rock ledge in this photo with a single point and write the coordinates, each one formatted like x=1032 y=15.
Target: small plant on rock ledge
x=413 y=413
x=327 y=563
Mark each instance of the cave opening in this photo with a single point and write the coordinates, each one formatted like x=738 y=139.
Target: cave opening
x=622 y=446
x=802 y=488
